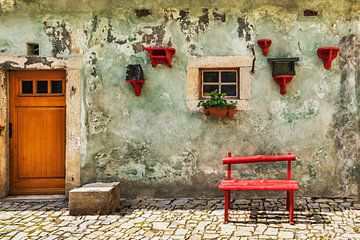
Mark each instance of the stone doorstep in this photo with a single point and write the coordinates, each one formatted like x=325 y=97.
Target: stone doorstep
x=35 y=198
x=94 y=199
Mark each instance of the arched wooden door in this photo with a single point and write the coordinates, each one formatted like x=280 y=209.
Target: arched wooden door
x=37 y=132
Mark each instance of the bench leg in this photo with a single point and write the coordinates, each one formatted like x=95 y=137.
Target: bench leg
x=226 y=206
x=291 y=208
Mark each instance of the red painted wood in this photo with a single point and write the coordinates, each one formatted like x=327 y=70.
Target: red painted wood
x=327 y=55
x=264 y=44
x=282 y=81
x=259 y=158
x=137 y=85
x=226 y=206
x=160 y=55
x=289 y=170
x=229 y=168
x=270 y=185
x=291 y=208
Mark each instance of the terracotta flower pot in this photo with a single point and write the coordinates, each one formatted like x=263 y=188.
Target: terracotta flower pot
x=231 y=112
x=216 y=112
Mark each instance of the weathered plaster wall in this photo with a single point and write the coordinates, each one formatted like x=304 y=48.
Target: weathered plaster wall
x=153 y=144
x=72 y=66
x=3 y=133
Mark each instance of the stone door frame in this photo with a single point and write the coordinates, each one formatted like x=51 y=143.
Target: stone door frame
x=72 y=66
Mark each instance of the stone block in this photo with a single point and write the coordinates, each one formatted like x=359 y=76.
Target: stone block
x=94 y=199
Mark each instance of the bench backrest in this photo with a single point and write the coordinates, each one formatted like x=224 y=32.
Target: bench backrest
x=259 y=158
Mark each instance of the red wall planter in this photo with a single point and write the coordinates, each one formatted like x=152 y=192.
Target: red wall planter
x=137 y=85
x=160 y=55
x=265 y=45
x=283 y=70
x=327 y=55
x=135 y=76
x=282 y=80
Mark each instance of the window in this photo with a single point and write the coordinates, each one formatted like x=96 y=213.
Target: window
x=224 y=80
x=27 y=87
x=229 y=74
x=41 y=87
x=33 y=49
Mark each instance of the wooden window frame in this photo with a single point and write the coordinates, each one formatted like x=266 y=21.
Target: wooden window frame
x=219 y=83
x=20 y=93
x=48 y=94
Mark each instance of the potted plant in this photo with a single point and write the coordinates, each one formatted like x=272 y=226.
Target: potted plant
x=231 y=108
x=217 y=106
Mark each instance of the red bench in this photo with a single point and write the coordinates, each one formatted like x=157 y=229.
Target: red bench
x=270 y=185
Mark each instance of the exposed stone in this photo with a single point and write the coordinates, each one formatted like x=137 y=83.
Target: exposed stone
x=94 y=198
x=317 y=119
x=59 y=35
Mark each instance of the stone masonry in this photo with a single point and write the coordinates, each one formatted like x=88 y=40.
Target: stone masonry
x=200 y=218
x=94 y=198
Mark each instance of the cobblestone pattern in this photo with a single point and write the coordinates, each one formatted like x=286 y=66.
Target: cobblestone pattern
x=185 y=219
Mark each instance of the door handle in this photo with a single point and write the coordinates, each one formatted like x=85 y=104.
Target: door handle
x=10 y=130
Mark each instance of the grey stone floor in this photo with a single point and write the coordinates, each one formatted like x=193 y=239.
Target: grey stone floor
x=316 y=218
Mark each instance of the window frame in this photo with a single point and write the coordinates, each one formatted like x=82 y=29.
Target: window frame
x=242 y=62
x=219 y=83
x=34 y=88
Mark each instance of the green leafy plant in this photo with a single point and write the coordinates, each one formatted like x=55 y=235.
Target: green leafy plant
x=217 y=100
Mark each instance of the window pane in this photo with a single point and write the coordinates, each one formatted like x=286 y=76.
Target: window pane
x=230 y=90
x=41 y=86
x=228 y=76
x=210 y=77
x=209 y=88
x=56 y=86
x=27 y=87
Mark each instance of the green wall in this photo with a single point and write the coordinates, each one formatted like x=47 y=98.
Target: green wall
x=153 y=144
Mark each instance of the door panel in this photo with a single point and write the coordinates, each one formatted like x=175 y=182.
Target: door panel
x=42 y=152
x=37 y=146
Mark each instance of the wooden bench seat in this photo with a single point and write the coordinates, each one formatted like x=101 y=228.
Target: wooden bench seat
x=234 y=184
x=270 y=185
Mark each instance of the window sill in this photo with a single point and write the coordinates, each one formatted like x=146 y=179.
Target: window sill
x=242 y=105
x=243 y=63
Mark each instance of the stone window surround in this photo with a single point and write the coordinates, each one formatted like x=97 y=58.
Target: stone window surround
x=72 y=66
x=244 y=63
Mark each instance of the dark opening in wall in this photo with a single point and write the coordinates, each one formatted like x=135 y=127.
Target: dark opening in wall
x=33 y=49
x=310 y=13
x=142 y=12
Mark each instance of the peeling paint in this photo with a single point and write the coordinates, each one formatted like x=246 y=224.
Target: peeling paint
x=33 y=60
x=9 y=65
x=98 y=121
x=244 y=29
x=154 y=141
x=220 y=16
x=59 y=35
x=281 y=110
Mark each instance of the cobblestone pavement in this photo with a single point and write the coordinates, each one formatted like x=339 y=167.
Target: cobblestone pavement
x=316 y=218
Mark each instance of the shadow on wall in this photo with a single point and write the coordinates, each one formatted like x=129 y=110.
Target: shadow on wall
x=346 y=120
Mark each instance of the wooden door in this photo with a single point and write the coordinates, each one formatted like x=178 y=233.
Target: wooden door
x=37 y=134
